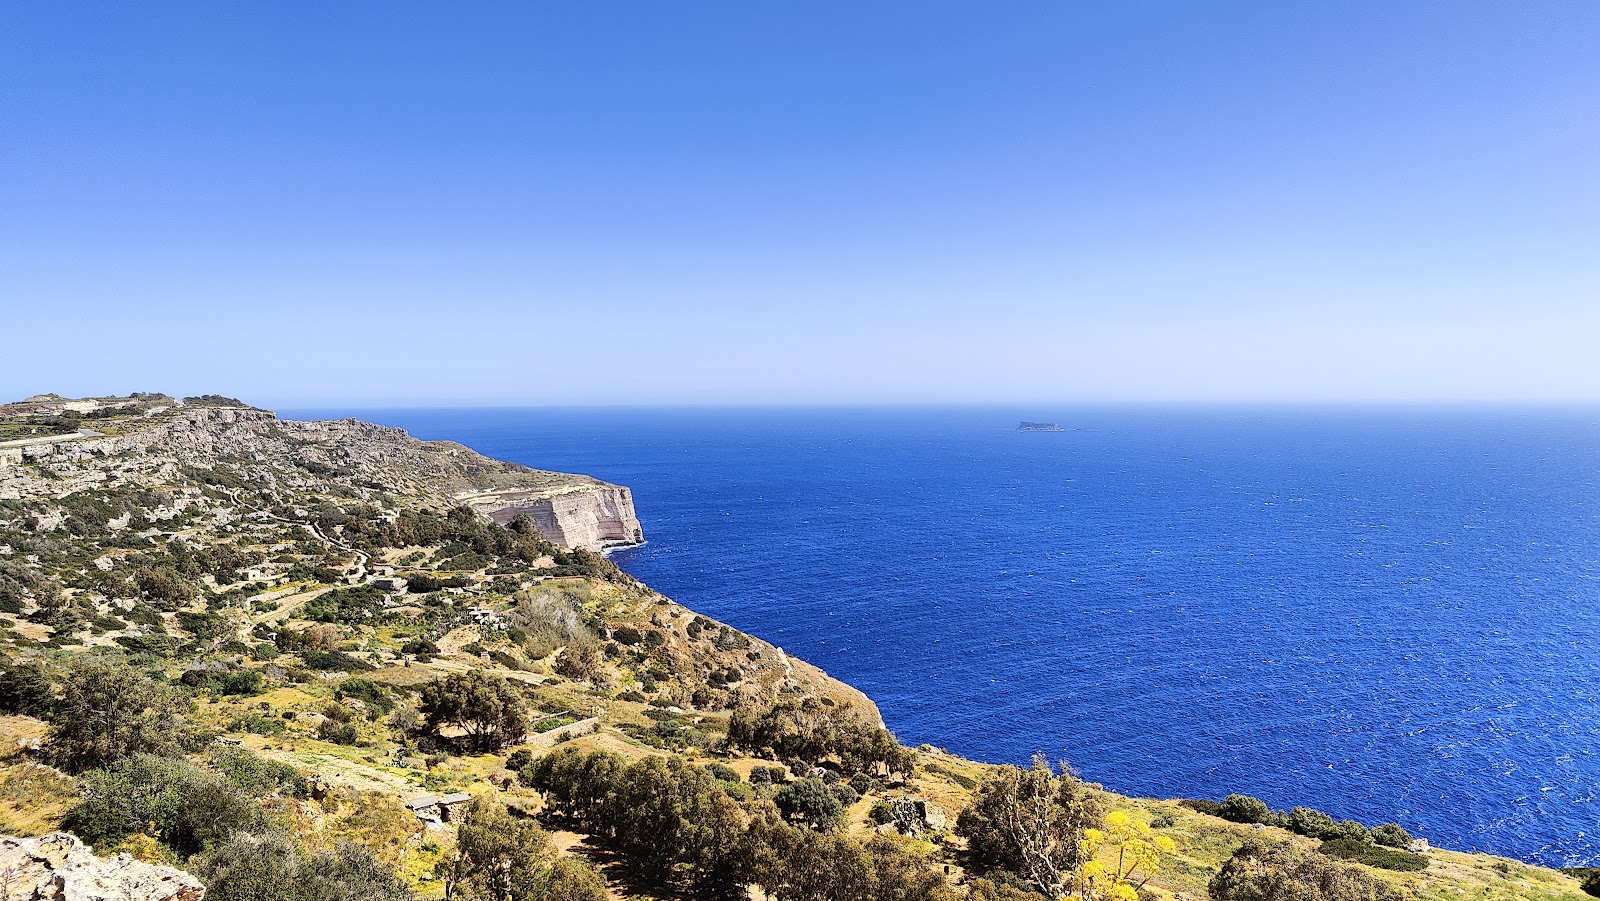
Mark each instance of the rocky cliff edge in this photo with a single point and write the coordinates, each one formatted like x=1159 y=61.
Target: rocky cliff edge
x=59 y=867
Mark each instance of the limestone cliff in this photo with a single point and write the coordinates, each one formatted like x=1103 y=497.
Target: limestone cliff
x=153 y=441
x=586 y=516
x=59 y=867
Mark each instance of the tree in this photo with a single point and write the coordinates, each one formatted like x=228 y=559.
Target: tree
x=810 y=802
x=163 y=586
x=579 y=662
x=501 y=858
x=109 y=711
x=497 y=857
x=1031 y=822
x=489 y=709
x=670 y=814
x=811 y=731
x=573 y=880
x=797 y=864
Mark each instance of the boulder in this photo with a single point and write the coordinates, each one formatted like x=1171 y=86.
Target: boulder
x=60 y=867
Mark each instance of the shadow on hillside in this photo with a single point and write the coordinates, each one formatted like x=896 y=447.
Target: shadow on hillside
x=625 y=880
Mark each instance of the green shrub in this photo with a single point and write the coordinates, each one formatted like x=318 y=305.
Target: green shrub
x=1245 y=809
x=264 y=866
x=1391 y=835
x=1373 y=855
x=1262 y=870
x=346 y=605
x=258 y=724
x=333 y=661
x=768 y=775
x=375 y=696
x=1347 y=831
x=723 y=772
x=1202 y=805
x=1306 y=821
x=25 y=689
x=108 y=711
x=340 y=733
x=253 y=773
x=192 y=808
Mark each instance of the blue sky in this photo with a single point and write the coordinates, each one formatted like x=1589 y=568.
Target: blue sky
x=393 y=204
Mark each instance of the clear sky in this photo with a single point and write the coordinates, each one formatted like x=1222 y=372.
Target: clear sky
x=753 y=202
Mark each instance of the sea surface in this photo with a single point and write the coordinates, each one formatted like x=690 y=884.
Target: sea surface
x=1384 y=614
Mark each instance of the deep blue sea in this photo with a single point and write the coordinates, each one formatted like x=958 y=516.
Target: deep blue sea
x=1384 y=614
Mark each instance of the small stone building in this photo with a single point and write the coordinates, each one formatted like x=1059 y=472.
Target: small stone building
x=439 y=808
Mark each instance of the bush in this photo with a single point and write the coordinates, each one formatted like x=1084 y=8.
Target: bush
x=340 y=733
x=865 y=784
x=346 y=605
x=1348 y=831
x=1374 y=855
x=489 y=709
x=1201 y=805
x=264 y=866
x=333 y=661
x=1391 y=835
x=1306 y=821
x=421 y=647
x=1245 y=809
x=768 y=775
x=240 y=682
x=375 y=696
x=258 y=724
x=581 y=662
x=109 y=711
x=25 y=689
x=1266 y=870
x=254 y=774
x=190 y=807
x=723 y=772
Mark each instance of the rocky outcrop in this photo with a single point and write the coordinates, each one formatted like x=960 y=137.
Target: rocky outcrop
x=152 y=446
x=584 y=516
x=59 y=867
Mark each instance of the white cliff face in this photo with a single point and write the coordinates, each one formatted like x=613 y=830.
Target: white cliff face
x=59 y=867
x=592 y=517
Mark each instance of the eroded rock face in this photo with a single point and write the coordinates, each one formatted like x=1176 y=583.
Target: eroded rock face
x=593 y=516
x=60 y=867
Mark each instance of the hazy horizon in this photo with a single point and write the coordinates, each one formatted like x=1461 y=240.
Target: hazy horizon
x=399 y=205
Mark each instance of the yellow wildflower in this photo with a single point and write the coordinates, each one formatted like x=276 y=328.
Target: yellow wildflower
x=1116 y=819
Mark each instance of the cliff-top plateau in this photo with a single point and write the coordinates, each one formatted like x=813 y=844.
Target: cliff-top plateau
x=317 y=661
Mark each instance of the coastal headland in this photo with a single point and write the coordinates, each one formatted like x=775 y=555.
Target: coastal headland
x=372 y=640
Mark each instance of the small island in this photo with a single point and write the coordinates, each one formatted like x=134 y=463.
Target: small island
x=1026 y=426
